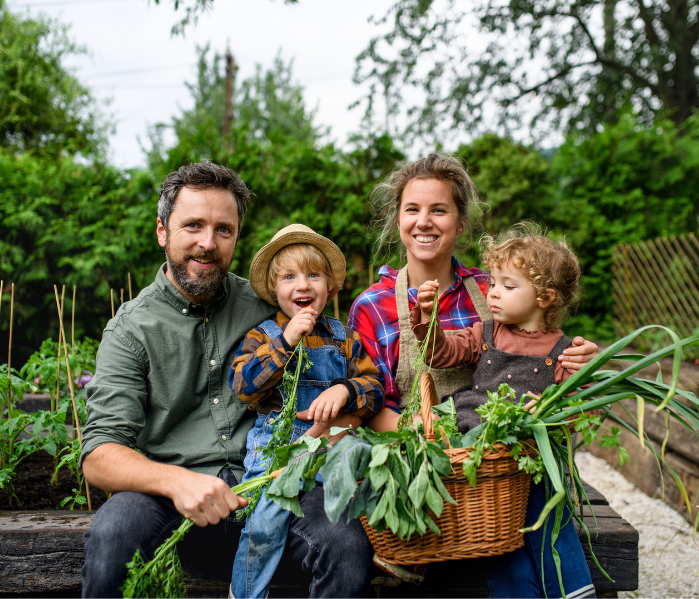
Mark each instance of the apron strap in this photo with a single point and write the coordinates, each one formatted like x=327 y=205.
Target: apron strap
x=478 y=299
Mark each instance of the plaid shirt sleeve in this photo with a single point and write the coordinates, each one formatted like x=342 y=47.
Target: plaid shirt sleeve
x=258 y=366
x=364 y=381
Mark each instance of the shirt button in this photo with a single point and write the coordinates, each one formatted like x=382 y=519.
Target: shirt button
x=213 y=362
x=509 y=376
x=184 y=310
x=223 y=437
x=215 y=399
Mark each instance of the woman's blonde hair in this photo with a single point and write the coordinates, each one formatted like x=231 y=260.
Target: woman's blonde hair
x=307 y=257
x=386 y=196
x=546 y=263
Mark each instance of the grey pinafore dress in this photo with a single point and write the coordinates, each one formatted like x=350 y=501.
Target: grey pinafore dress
x=522 y=373
x=445 y=379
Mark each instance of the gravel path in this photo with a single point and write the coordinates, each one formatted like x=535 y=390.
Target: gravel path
x=668 y=556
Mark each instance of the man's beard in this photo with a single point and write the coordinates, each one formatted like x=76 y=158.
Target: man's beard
x=207 y=282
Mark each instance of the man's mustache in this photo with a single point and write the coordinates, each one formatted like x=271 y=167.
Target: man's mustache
x=209 y=256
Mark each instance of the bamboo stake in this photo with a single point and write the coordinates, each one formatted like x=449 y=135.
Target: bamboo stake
x=58 y=382
x=337 y=308
x=2 y=284
x=76 y=421
x=371 y=274
x=111 y=299
x=128 y=275
x=72 y=325
x=121 y=296
x=9 y=371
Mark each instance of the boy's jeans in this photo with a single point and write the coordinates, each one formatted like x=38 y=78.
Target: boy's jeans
x=519 y=574
x=263 y=538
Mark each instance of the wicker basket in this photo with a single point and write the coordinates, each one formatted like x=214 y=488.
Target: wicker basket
x=486 y=519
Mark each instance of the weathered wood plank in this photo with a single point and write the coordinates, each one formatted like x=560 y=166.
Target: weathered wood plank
x=41 y=554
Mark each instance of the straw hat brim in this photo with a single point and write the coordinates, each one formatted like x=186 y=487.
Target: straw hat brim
x=260 y=263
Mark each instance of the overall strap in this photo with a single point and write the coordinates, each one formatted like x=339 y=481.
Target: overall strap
x=271 y=328
x=478 y=299
x=557 y=350
x=488 y=330
x=338 y=329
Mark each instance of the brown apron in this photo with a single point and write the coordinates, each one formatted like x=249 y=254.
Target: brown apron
x=446 y=380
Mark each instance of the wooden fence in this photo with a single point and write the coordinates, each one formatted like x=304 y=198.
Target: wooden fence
x=657 y=282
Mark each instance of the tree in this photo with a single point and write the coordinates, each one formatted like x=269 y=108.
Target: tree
x=545 y=64
x=43 y=106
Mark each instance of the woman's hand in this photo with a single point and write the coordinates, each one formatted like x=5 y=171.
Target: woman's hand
x=425 y=299
x=579 y=354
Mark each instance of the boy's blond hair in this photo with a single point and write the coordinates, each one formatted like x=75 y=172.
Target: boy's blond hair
x=307 y=257
x=547 y=264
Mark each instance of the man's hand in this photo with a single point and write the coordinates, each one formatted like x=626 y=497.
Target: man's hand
x=575 y=357
x=300 y=325
x=203 y=498
x=425 y=299
x=326 y=406
x=343 y=420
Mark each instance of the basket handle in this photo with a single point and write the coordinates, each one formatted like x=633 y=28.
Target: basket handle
x=428 y=393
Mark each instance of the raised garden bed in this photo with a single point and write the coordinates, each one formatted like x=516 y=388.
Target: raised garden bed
x=41 y=553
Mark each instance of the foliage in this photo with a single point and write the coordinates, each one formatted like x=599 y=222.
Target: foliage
x=71 y=458
x=282 y=424
x=622 y=185
x=162 y=576
x=547 y=64
x=43 y=106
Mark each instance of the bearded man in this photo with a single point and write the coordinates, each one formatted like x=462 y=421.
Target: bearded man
x=165 y=433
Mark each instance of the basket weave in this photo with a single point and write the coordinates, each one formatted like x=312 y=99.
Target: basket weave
x=485 y=520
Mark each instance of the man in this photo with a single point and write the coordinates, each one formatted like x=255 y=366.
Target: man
x=161 y=388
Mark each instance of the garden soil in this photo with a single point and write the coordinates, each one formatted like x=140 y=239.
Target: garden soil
x=32 y=484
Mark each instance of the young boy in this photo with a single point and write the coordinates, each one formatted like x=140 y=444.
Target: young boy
x=299 y=271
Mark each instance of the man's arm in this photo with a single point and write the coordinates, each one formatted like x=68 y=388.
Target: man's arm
x=202 y=498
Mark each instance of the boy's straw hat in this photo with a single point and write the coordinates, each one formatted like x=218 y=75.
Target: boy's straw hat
x=289 y=236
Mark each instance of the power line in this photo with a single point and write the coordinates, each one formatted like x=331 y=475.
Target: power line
x=65 y=3
x=141 y=70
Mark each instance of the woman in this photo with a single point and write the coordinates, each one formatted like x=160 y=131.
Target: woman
x=427 y=204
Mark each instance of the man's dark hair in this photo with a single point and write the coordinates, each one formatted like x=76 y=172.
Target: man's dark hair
x=202 y=175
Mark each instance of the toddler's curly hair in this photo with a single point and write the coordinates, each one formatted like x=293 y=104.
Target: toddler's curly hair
x=546 y=263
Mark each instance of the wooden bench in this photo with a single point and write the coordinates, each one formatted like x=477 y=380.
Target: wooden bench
x=41 y=554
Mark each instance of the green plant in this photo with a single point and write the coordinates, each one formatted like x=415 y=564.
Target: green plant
x=283 y=423
x=71 y=458
x=162 y=576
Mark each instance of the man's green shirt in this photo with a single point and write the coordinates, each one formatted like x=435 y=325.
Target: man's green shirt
x=161 y=384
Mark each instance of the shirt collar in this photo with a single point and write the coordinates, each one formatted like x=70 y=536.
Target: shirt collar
x=178 y=301
x=460 y=272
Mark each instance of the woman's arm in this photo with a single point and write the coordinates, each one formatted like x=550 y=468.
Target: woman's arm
x=580 y=353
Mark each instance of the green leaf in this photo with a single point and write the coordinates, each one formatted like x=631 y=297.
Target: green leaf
x=418 y=488
x=379 y=476
x=379 y=455
x=344 y=465
x=434 y=500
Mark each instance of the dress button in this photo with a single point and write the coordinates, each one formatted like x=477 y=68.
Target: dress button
x=549 y=361
x=485 y=347
x=215 y=399
x=224 y=437
x=489 y=362
x=213 y=362
x=184 y=310
x=509 y=376
x=476 y=387
x=536 y=370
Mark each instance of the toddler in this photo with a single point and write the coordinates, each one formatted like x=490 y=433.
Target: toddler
x=533 y=280
x=299 y=271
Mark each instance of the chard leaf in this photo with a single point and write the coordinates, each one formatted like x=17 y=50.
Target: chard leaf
x=418 y=488
x=379 y=455
x=344 y=465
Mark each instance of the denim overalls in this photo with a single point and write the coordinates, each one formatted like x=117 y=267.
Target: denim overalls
x=264 y=535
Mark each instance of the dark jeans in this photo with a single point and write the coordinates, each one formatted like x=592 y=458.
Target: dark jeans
x=338 y=557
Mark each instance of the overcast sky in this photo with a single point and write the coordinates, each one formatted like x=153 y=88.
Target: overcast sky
x=134 y=60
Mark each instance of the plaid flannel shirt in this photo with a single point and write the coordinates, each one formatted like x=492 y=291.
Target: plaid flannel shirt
x=258 y=365
x=374 y=315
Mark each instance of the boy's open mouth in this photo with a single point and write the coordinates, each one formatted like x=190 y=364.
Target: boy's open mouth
x=304 y=302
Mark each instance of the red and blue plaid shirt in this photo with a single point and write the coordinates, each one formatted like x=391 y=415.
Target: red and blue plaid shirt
x=374 y=315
